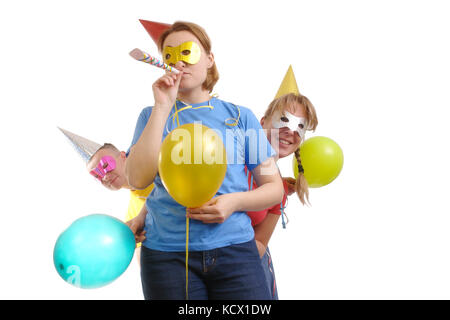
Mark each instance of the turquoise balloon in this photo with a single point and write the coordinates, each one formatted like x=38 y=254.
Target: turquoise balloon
x=93 y=251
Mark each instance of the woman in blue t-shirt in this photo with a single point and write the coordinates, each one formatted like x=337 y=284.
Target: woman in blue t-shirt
x=223 y=259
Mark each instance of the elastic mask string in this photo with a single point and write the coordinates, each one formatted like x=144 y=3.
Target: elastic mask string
x=232 y=122
x=177 y=111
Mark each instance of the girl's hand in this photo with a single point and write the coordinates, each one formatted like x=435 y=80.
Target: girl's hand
x=165 y=90
x=290 y=182
x=216 y=210
x=261 y=248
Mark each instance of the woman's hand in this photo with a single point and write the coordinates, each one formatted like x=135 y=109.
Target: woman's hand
x=290 y=182
x=165 y=90
x=216 y=210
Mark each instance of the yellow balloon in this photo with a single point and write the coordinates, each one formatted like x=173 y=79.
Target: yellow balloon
x=322 y=161
x=192 y=164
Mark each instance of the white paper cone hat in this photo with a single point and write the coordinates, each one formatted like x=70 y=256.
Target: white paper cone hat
x=85 y=147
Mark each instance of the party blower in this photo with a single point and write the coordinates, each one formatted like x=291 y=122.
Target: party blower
x=147 y=58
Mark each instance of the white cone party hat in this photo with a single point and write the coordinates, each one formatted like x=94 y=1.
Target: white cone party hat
x=85 y=147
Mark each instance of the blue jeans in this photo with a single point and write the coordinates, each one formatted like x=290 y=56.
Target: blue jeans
x=232 y=273
x=269 y=272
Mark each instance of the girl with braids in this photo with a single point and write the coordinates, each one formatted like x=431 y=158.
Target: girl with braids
x=285 y=121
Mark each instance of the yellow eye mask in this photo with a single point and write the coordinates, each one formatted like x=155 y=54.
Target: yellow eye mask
x=188 y=52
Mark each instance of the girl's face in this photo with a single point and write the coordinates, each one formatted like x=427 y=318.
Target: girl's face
x=193 y=74
x=284 y=140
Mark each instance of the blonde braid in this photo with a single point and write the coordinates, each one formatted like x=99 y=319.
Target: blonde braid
x=301 y=185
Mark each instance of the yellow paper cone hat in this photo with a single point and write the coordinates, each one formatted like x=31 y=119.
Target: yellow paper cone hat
x=289 y=84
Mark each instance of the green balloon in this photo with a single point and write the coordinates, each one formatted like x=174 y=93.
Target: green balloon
x=322 y=160
x=93 y=251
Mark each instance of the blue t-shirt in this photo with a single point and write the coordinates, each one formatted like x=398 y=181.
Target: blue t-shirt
x=245 y=143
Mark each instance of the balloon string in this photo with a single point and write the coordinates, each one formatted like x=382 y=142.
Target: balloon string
x=175 y=115
x=187 y=220
x=187 y=255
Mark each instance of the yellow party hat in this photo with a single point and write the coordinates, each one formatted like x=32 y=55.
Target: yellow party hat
x=289 y=84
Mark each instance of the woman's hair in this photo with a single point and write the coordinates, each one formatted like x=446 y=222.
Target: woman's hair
x=279 y=105
x=213 y=74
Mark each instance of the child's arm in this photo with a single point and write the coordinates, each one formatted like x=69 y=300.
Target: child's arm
x=290 y=183
x=269 y=193
x=142 y=161
x=270 y=189
x=264 y=230
x=137 y=225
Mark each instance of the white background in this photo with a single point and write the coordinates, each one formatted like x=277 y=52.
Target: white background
x=377 y=72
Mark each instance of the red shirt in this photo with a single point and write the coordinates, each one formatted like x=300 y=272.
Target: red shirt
x=258 y=216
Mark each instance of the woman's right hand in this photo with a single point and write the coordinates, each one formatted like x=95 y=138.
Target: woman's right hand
x=165 y=90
